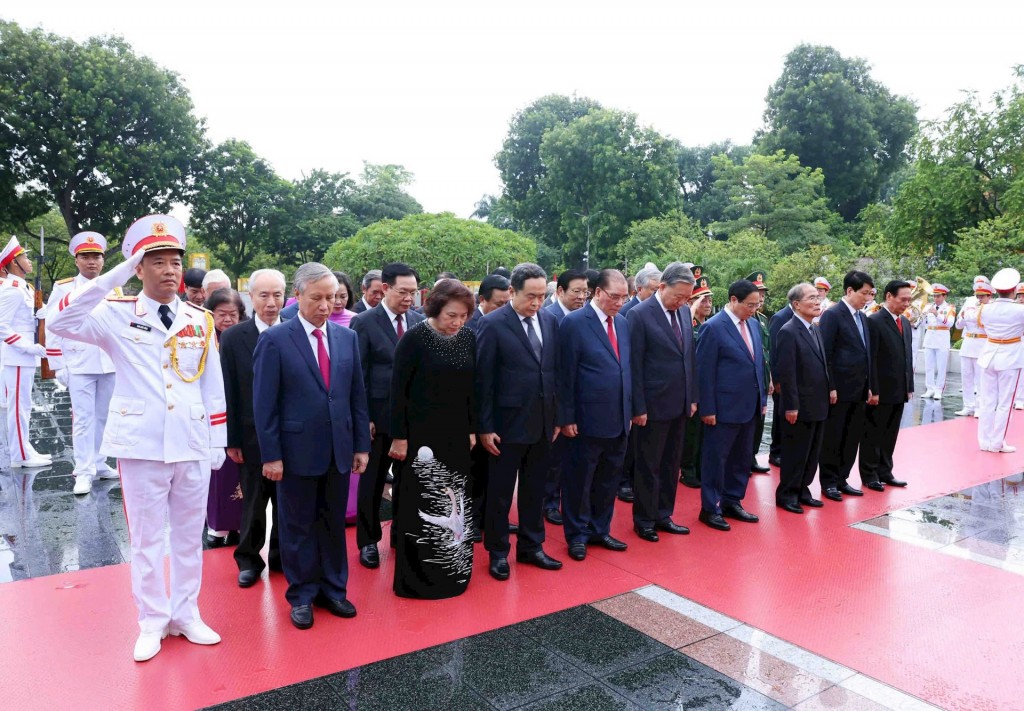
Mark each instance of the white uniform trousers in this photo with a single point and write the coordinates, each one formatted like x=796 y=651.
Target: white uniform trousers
x=915 y=347
x=18 y=388
x=970 y=380
x=996 y=398
x=936 y=361
x=155 y=492
x=90 y=402
x=1018 y=400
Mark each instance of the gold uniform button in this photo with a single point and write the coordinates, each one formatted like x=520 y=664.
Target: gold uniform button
x=124 y=410
x=165 y=366
x=168 y=386
x=170 y=407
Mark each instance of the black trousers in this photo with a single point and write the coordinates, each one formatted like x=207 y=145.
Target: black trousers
x=257 y=490
x=801 y=447
x=629 y=463
x=658 y=444
x=843 y=430
x=477 y=485
x=558 y=455
x=775 y=449
x=528 y=462
x=881 y=429
x=588 y=487
x=371 y=492
x=758 y=434
x=693 y=441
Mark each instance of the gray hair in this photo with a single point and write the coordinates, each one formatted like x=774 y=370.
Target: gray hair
x=310 y=273
x=215 y=275
x=524 y=271
x=551 y=289
x=797 y=292
x=646 y=275
x=677 y=273
x=260 y=273
x=370 y=277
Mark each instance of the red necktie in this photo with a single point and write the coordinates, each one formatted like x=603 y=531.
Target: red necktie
x=612 y=338
x=401 y=329
x=899 y=324
x=322 y=357
x=746 y=338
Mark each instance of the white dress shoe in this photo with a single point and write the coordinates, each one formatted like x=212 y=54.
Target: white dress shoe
x=83 y=484
x=40 y=455
x=1018 y=406
x=937 y=394
x=107 y=473
x=1006 y=449
x=197 y=632
x=966 y=412
x=32 y=463
x=147 y=645
x=926 y=394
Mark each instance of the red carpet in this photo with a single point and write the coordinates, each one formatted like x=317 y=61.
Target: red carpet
x=943 y=629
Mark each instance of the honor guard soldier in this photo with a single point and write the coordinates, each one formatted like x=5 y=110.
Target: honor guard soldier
x=19 y=352
x=167 y=419
x=693 y=434
x=939 y=318
x=84 y=369
x=1001 y=360
x=974 y=342
x=758 y=280
x=822 y=286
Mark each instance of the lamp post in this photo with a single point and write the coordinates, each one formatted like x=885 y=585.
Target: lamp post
x=586 y=221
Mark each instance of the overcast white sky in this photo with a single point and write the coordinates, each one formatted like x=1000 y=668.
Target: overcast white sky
x=433 y=85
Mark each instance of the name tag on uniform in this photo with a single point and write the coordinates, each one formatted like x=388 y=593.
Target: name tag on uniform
x=141 y=326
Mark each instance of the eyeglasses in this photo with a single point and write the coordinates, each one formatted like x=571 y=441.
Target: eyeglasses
x=618 y=298
x=405 y=292
x=579 y=292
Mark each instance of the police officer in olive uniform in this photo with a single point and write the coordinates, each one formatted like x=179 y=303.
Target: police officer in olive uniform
x=693 y=435
x=758 y=279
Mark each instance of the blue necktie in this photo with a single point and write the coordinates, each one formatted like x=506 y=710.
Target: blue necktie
x=860 y=328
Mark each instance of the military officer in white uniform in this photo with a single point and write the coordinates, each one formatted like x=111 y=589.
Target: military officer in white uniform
x=19 y=352
x=166 y=422
x=822 y=286
x=84 y=369
x=939 y=318
x=973 y=343
x=1018 y=400
x=1001 y=360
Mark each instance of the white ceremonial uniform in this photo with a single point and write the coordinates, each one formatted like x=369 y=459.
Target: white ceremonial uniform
x=1001 y=360
x=161 y=428
x=974 y=343
x=20 y=354
x=938 y=322
x=90 y=381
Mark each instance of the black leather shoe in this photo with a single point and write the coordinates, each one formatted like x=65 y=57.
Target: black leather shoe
x=736 y=511
x=302 y=616
x=833 y=494
x=338 y=608
x=369 y=557
x=668 y=526
x=689 y=483
x=775 y=461
x=577 y=551
x=714 y=521
x=792 y=508
x=758 y=469
x=247 y=578
x=813 y=503
x=553 y=516
x=875 y=486
x=894 y=482
x=626 y=494
x=499 y=568
x=648 y=534
x=850 y=491
x=540 y=559
x=612 y=544
x=214 y=541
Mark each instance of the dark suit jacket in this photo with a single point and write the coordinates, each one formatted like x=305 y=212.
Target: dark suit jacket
x=595 y=390
x=802 y=372
x=629 y=305
x=288 y=312
x=731 y=383
x=298 y=420
x=237 y=345
x=664 y=372
x=892 y=358
x=473 y=324
x=360 y=306
x=515 y=391
x=778 y=320
x=849 y=360
x=377 y=341
x=555 y=310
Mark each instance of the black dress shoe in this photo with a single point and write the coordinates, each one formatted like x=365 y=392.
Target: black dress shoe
x=247 y=578
x=499 y=568
x=646 y=533
x=626 y=494
x=894 y=482
x=713 y=520
x=775 y=461
x=833 y=494
x=612 y=544
x=369 y=557
x=813 y=503
x=689 y=483
x=214 y=541
x=758 y=469
x=736 y=511
x=875 y=486
x=850 y=491
x=540 y=559
x=553 y=516
x=668 y=526
x=577 y=551
x=302 y=616
x=338 y=608
x=791 y=507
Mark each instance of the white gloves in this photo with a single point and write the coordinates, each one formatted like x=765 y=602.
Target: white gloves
x=62 y=376
x=119 y=275
x=217 y=457
x=38 y=350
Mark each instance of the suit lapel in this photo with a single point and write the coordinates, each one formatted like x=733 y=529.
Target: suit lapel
x=389 y=328
x=733 y=329
x=658 y=314
x=513 y=321
x=301 y=341
x=600 y=329
x=812 y=341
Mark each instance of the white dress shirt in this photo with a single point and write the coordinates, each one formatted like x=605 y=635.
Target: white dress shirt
x=313 y=342
x=392 y=316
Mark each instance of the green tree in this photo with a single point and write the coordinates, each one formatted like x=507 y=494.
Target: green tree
x=702 y=200
x=431 y=244
x=993 y=245
x=660 y=240
x=313 y=215
x=827 y=110
x=380 y=194
x=105 y=135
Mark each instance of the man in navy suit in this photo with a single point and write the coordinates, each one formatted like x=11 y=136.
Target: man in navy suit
x=733 y=394
x=373 y=291
x=775 y=324
x=517 y=359
x=594 y=410
x=664 y=395
x=847 y=340
x=314 y=430
x=493 y=295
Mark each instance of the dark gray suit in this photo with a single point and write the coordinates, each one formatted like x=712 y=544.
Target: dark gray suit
x=775 y=324
x=892 y=379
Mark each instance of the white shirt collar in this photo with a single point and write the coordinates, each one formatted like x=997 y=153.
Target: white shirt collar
x=366 y=303
x=309 y=328
x=806 y=323
x=261 y=326
x=735 y=319
x=153 y=306
x=565 y=311
x=852 y=310
x=600 y=314
x=391 y=314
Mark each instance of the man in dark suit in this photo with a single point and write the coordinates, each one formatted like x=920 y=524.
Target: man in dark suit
x=733 y=394
x=775 y=324
x=493 y=295
x=799 y=365
x=664 y=396
x=517 y=359
x=379 y=330
x=892 y=385
x=373 y=291
x=314 y=431
x=237 y=345
x=847 y=340
x=570 y=294
x=594 y=411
